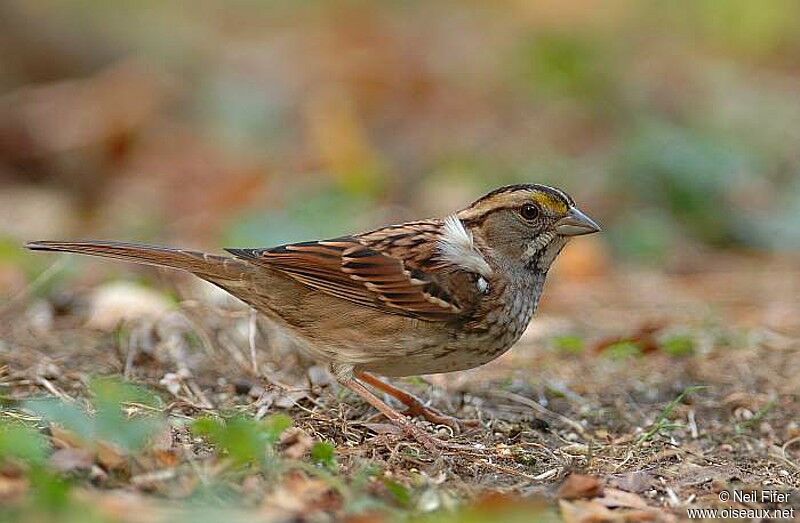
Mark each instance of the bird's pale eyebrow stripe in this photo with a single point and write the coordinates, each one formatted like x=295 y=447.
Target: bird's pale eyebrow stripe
x=457 y=247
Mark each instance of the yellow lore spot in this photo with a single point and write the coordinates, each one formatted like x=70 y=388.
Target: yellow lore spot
x=549 y=201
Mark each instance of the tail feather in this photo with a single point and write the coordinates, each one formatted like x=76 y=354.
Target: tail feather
x=207 y=266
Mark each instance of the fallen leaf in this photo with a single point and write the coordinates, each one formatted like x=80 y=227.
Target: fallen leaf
x=72 y=459
x=297 y=496
x=295 y=442
x=644 y=338
x=166 y=458
x=637 y=482
x=110 y=456
x=692 y=475
x=615 y=498
x=65 y=438
x=578 y=486
x=581 y=511
x=12 y=488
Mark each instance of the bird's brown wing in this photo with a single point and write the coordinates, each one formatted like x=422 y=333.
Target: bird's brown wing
x=371 y=270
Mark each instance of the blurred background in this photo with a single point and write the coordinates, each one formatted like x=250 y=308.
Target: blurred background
x=245 y=123
x=253 y=122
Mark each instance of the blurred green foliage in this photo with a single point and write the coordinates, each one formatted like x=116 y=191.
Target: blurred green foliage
x=326 y=211
x=46 y=494
x=324 y=453
x=245 y=443
x=108 y=422
x=24 y=443
x=687 y=175
x=568 y=344
x=623 y=350
x=672 y=122
x=567 y=64
x=498 y=509
x=678 y=345
x=244 y=440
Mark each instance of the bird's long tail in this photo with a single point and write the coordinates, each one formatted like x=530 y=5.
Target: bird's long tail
x=207 y=266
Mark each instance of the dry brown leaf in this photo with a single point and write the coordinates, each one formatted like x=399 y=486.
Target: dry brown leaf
x=691 y=475
x=123 y=506
x=72 y=459
x=64 y=438
x=578 y=486
x=295 y=442
x=644 y=337
x=13 y=488
x=165 y=458
x=636 y=482
x=110 y=456
x=615 y=498
x=581 y=511
x=298 y=495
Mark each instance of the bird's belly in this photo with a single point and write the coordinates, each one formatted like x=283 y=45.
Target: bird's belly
x=461 y=351
x=437 y=360
x=469 y=348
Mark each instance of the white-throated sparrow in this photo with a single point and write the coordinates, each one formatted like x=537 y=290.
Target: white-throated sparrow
x=417 y=298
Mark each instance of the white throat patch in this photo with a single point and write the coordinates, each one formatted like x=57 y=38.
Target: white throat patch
x=457 y=247
x=545 y=249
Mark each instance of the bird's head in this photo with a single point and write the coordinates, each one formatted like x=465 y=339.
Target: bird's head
x=526 y=224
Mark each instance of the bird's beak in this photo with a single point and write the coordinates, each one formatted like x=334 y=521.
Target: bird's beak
x=575 y=223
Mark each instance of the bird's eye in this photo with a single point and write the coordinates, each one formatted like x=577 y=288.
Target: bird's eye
x=529 y=211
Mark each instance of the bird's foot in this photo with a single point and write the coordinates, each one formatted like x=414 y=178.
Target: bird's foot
x=457 y=425
x=431 y=443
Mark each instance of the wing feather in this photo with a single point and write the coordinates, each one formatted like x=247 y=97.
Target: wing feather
x=368 y=273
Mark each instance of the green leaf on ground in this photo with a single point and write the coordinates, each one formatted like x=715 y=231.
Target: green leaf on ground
x=678 y=345
x=244 y=440
x=324 y=453
x=23 y=443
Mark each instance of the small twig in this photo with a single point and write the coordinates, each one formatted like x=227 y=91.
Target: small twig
x=673 y=498
x=195 y=389
x=199 y=330
x=37 y=283
x=541 y=410
x=628 y=457
x=546 y=475
x=252 y=339
x=513 y=472
x=129 y=358
x=156 y=475
x=692 y=424
x=695 y=454
x=783 y=452
x=44 y=382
